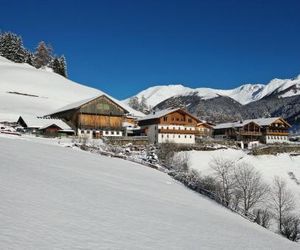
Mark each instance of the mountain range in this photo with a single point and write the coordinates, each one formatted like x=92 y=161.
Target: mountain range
x=280 y=97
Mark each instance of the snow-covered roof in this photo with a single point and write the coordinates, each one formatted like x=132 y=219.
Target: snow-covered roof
x=40 y=123
x=76 y=105
x=158 y=114
x=258 y=121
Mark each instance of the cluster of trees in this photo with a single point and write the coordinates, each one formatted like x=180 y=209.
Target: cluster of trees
x=238 y=186
x=140 y=105
x=12 y=48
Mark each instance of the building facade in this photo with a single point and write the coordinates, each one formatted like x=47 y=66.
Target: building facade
x=94 y=118
x=264 y=130
x=170 y=126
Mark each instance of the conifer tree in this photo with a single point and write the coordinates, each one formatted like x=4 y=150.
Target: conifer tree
x=11 y=47
x=63 y=66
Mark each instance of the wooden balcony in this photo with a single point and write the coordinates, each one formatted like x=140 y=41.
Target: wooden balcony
x=277 y=132
x=177 y=131
x=249 y=133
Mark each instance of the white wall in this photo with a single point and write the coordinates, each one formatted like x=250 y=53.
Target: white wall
x=89 y=133
x=276 y=139
x=176 y=138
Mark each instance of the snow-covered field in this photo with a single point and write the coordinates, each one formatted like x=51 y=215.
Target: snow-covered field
x=59 y=198
x=268 y=165
x=27 y=90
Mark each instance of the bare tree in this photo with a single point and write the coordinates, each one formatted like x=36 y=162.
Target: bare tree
x=250 y=186
x=262 y=217
x=180 y=162
x=223 y=169
x=282 y=200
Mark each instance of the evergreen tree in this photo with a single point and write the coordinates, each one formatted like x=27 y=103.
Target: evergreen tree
x=29 y=58
x=42 y=55
x=63 y=66
x=11 y=47
x=55 y=65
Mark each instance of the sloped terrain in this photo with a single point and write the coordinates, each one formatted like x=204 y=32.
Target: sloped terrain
x=27 y=90
x=59 y=198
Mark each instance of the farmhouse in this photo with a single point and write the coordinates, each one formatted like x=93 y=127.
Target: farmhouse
x=170 y=125
x=204 y=129
x=94 y=117
x=265 y=130
x=46 y=126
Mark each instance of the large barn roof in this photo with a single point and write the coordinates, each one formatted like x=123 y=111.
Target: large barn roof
x=78 y=104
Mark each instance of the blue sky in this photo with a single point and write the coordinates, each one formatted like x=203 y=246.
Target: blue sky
x=123 y=47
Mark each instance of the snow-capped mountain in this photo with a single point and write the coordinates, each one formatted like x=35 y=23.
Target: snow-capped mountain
x=27 y=90
x=244 y=94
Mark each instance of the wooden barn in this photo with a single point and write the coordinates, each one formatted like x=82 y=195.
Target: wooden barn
x=94 y=117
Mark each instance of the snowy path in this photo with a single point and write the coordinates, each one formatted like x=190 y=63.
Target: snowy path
x=58 y=198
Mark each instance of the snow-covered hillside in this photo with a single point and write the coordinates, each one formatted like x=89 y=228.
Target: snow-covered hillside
x=58 y=198
x=269 y=165
x=244 y=94
x=27 y=90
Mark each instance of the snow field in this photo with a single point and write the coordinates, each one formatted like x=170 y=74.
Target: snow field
x=59 y=198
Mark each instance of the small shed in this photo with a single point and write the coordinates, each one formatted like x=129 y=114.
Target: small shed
x=47 y=126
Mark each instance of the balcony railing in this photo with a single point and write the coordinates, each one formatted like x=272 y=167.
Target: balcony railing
x=277 y=132
x=249 y=133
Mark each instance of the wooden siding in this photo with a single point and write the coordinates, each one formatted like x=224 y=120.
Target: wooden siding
x=178 y=118
x=89 y=121
x=102 y=106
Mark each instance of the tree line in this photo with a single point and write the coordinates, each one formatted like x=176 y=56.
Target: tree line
x=239 y=186
x=12 y=48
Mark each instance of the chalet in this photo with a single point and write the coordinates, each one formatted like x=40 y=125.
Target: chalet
x=264 y=130
x=46 y=126
x=170 y=125
x=94 y=117
x=204 y=129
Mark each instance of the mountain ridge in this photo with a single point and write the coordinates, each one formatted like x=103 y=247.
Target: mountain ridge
x=244 y=94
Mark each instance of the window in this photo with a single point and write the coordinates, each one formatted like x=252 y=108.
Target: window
x=185 y=128
x=162 y=136
x=190 y=136
x=185 y=136
x=167 y=136
x=177 y=119
x=118 y=132
x=82 y=131
x=165 y=118
x=178 y=136
x=87 y=131
x=189 y=120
